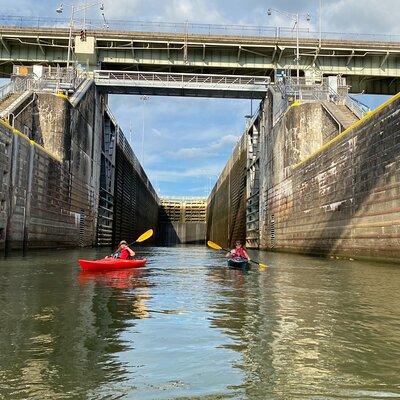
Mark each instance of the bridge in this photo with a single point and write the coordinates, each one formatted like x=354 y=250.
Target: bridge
x=368 y=62
x=174 y=84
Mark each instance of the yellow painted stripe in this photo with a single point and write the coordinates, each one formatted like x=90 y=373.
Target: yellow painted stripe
x=295 y=104
x=30 y=141
x=62 y=95
x=347 y=131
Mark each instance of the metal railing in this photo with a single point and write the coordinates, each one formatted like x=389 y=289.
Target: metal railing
x=298 y=89
x=183 y=79
x=51 y=79
x=5 y=90
x=301 y=89
x=356 y=106
x=195 y=28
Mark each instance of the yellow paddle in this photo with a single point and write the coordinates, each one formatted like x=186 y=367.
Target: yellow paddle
x=141 y=238
x=144 y=236
x=215 y=246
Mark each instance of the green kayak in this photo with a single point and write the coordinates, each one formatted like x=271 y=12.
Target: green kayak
x=238 y=263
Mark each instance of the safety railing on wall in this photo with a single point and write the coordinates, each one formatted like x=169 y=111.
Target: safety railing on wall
x=357 y=107
x=6 y=90
x=40 y=78
x=195 y=28
x=292 y=89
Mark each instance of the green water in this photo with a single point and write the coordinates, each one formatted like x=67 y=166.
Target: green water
x=187 y=327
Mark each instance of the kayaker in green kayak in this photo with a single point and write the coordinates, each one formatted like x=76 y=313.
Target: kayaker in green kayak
x=238 y=252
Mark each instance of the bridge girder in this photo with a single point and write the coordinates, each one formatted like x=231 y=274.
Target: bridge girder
x=378 y=61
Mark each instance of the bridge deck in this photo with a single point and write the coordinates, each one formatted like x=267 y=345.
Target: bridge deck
x=190 y=85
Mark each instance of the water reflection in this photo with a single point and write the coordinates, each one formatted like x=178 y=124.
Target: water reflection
x=132 y=305
x=313 y=327
x=187 y=327
x=54 y=333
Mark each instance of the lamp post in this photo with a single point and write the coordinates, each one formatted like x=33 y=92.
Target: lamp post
x=294 y=17
x=76 y=9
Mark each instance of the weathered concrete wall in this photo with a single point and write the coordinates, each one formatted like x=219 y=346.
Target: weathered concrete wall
x=39 y=209
x=226 y=205
x=52 y=189
x=182 y=221
x=55 y=176
x=342 y=200
x=181 y=233
x=135 y=201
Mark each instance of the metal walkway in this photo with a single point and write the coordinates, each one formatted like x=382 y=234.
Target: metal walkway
x=189 y=85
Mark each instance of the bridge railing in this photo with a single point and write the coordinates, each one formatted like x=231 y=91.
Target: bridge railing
x=194 y=28
x=184 y=79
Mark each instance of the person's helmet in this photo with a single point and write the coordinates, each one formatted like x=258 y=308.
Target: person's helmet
x=122 y=242
x=238 y=243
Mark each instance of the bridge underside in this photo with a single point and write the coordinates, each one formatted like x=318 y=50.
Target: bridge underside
x=181 y=92
x=369 y=66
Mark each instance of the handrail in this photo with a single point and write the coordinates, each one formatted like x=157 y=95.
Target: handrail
x=356 y=106
x=168 y=79
x=6 y=89
x=195 y=28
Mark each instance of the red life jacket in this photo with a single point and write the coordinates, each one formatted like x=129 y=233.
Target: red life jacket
x=240 y=252
x=124 y=254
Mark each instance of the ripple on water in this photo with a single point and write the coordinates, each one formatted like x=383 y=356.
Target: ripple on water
x=187 y=327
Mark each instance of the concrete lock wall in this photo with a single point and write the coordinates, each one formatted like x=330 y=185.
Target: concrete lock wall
x=50 y=178
x=343 y=199
x=181 y=233
x=51 y=175
x=182 y=221
x=135 y=200
x=320 y=191
x=226 y=205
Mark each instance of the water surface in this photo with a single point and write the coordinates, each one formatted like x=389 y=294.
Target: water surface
x=186 y=327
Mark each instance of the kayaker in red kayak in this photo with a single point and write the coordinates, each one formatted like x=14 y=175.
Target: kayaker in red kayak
x=124 y=252
x=238 y=252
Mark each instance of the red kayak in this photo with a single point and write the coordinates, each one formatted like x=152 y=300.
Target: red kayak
x=111 y=264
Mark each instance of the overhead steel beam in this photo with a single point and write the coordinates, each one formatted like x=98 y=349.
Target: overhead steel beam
x=3 y=42
x=273 y=54
x=40 y=46
x=316 y=54
x=349 y=58
x=384 y=59
x=282 y=49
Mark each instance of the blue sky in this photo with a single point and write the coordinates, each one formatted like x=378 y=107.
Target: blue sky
x=188 y=141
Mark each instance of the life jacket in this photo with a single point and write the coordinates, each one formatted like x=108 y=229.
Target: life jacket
x=124 y=254
x=240 y=252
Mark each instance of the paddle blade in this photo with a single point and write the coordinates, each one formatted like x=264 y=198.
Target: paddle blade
x=213 y=245
x=263 y=266
x=145 y=236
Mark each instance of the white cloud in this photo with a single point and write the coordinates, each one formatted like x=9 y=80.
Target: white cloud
x=211 y=149
x=176 y=176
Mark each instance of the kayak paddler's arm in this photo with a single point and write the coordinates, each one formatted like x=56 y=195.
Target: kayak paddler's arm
x=131 y=252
